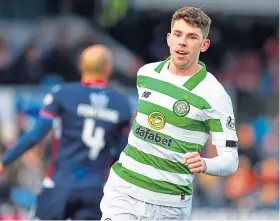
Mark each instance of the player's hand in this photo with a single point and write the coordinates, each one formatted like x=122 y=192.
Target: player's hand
x=2 y=168
x=194 y=161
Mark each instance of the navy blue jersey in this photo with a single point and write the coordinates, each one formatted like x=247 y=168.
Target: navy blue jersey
x=89 y=123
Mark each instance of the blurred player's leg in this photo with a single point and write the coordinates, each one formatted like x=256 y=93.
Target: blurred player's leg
x=51 y=204
x=84 y=204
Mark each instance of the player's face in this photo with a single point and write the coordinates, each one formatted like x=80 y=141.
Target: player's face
x=185 y=44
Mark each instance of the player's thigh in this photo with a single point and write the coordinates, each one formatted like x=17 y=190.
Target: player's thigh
x=117 y=206
x=51 y=204
x=160 y=212
x=175 y=213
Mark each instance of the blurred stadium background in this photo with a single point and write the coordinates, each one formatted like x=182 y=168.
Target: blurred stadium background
x=40 y=42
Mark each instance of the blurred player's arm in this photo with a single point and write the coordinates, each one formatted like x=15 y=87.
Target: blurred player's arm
x=220 y=121
x=28 y=140
x=43 y=126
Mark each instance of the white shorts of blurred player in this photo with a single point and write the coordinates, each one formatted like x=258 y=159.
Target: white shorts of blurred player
x=116 y=205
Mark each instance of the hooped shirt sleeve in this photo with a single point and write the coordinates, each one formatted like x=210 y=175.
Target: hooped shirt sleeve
x=220 y=121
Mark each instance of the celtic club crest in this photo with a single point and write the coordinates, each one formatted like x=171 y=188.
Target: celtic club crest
x=181 y=108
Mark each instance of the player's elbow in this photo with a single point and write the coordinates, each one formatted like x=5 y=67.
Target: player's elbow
x=231 y=162
x=232 y=167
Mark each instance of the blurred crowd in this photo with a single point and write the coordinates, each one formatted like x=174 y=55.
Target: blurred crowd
x=255 y=185
x=31 y=65
x=244 y=56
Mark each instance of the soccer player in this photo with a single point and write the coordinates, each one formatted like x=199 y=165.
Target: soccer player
x=88 y=118
x=180 y=104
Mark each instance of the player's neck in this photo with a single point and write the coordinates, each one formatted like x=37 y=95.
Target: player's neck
x=94 y=79
x=188 y=71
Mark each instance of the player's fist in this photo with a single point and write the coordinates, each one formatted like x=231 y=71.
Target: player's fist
x=194 y=161
x=2 y=168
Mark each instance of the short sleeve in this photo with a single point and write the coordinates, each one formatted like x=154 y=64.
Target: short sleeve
x=51 y=104
x=220 y=121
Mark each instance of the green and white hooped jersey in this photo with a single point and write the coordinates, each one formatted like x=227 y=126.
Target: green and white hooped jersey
x=172 y=120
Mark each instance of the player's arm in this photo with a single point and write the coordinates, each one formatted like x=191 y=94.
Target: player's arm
x=28 y=140
x=220 y=120
x=44 y=124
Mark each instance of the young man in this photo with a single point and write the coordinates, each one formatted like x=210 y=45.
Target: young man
x=179 y=105
x=89 y=119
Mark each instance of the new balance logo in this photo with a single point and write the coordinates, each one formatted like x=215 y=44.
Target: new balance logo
x=146 y=94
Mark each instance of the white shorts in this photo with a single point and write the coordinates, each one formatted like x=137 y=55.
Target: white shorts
x=120 y=206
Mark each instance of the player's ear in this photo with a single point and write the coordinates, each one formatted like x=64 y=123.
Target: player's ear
x=108 y=70
x=167 y=39
x=205 y=45
x=81 y=67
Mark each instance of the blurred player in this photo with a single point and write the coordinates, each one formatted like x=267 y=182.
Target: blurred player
x=180 y=104
x=89 y=120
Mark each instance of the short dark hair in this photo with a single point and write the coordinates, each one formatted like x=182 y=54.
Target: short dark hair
x=193 y=16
